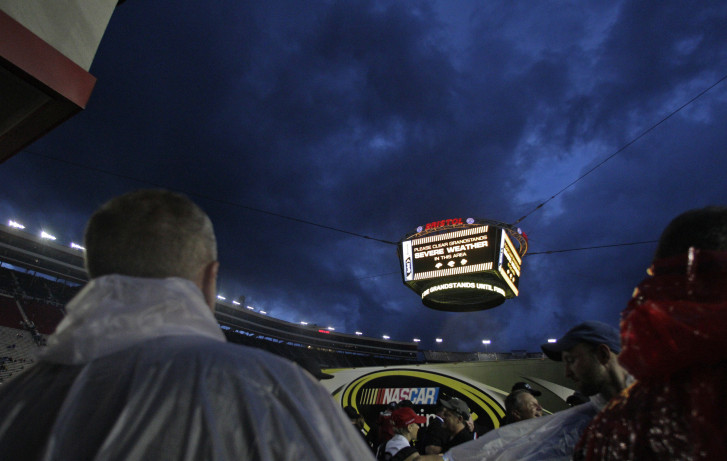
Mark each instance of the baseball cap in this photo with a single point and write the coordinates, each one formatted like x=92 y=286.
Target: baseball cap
x=586 y=332
x=457 y=406
x=403 y=416
x=525 y=386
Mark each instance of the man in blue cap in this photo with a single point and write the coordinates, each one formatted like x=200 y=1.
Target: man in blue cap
x=590 y=354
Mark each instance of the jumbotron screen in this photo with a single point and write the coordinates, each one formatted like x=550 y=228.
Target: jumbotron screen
x=461 y=266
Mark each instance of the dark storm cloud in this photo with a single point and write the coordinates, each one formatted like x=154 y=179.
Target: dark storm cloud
x=378 y=116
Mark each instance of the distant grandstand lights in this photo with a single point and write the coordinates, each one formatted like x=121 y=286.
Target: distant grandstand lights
x=386 y=337
x=76 y=246
x=263 y=312
x=304 y=323
x=331 y=328
x=358 y=333
x=46 y=235
x=221 y=298
x=439 y=340
x=15 y=224
x=416 y=340
x=552 y=340
x=251 y=308
x=236 y=303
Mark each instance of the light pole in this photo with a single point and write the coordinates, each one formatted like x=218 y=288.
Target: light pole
x=486 y=342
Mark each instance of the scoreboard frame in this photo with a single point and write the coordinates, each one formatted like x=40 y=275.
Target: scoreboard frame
x=463 y=266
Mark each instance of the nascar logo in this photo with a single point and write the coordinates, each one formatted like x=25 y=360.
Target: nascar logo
x=384 y=395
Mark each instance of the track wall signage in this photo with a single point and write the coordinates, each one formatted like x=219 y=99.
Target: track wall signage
x=371 y=393
x=463 y=266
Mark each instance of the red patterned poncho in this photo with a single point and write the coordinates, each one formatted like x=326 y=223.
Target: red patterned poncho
x=674 y=342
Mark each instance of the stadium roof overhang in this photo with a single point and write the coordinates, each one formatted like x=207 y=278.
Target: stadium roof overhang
x=45 y=53
x=30 y=252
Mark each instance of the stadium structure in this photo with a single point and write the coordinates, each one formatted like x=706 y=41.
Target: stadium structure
x=39 y=276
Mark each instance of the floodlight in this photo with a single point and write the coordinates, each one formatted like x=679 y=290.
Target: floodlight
x=250 y=307
x=486 y=341
x=15 y=224
x=76 y=246
x=439 y=340
x=236 y=303
x=416 y=340
x=359 y=333
x=386 y=337
x=263 y=312
x=304 y=323
x=46 y=235
x=331 y=328
x=221 y=298
x=551 y=340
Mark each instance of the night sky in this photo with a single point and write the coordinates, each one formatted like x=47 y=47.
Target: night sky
x=370 y=118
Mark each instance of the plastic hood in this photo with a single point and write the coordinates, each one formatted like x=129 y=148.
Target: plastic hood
x=116 y=312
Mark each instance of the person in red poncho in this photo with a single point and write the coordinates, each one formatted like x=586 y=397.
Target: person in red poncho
x=674 y=341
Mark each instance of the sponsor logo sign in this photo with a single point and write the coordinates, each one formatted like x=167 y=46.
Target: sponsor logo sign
x=371 y=393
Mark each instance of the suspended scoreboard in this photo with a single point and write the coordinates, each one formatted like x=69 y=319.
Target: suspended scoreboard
x=463 y=266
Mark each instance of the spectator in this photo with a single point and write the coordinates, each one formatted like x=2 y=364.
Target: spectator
x=520 y=405
x=432 y=438
x=384 y=428
x=358 y=422
x=406 y=426
x=527 y=387
x=589 y=351
x=456 y=415
x=674 y=336
x=139 y=368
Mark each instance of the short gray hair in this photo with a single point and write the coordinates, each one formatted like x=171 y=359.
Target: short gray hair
x=149 y=233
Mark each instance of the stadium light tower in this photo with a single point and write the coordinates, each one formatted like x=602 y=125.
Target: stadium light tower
x=486 y=342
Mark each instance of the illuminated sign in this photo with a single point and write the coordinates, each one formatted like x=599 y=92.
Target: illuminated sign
x=459 y=252
x=371 y=393
x=508 y=264
x=464 y=285
x=442 y=223
x=463 y=266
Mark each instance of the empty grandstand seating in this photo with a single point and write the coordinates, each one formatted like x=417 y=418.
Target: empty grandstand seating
x=17 y=352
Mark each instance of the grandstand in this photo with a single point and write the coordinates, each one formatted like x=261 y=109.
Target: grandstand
x=38 y=277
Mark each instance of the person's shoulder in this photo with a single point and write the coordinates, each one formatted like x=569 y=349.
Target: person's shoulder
x=220 y=355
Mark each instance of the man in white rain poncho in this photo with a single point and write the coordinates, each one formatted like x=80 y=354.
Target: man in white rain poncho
x=590 y=354
x=139 y=368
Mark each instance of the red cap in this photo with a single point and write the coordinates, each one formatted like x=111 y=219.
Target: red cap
x=402 y=417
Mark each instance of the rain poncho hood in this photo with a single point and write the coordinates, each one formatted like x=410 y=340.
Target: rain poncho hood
x=674 y=335
x=115 y=312
x=140 y=370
